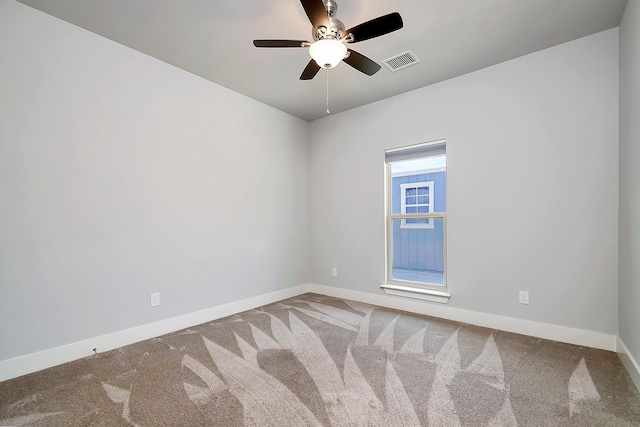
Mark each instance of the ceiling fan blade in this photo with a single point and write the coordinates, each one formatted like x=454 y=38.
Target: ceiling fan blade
x=281 y=43
x=310 y=71
x=376 y=27
x=316 y=12
x=362 y=63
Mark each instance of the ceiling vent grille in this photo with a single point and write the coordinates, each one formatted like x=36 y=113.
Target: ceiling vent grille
x=400 y=61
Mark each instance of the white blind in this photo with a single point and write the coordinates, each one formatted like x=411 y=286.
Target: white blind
x=426 y=149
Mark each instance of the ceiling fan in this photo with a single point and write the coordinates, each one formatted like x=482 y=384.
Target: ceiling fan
x=330 y=39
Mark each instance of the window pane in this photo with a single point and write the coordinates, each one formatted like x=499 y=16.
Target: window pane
x=419 y=181
x=415 y=246
x=431 y=162
x=418 y=253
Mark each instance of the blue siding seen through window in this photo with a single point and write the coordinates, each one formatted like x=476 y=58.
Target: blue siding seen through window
x=419 y=248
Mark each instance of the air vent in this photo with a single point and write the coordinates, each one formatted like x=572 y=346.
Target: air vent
x=400 y=61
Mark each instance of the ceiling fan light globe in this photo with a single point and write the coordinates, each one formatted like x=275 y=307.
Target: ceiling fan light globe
x=328 y=52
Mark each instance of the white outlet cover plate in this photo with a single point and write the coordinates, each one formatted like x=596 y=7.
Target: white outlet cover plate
x=155 y=299
x=523 y=297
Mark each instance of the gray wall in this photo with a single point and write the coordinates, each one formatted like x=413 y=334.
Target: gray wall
x=629 y=228
x=115 y=182
x=532 y=147
x=121 y=175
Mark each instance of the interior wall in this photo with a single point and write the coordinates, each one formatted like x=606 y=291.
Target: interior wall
x=629 y=231
x=532 y=201
x=121 y=175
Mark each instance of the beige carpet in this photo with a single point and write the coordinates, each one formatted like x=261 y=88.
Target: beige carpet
x=321 y=361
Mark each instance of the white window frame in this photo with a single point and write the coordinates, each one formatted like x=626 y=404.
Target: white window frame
x=418 y=290
x=403 y=204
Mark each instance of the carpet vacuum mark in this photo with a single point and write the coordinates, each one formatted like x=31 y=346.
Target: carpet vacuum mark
x=322 y=361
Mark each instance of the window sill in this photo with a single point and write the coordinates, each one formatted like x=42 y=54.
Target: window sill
x=417 y=293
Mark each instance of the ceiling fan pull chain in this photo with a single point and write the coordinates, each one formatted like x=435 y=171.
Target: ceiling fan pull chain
x=328 y=112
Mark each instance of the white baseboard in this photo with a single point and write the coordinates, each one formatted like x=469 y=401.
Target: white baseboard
x=33 y=362
x=629 y=363
x=509 y=324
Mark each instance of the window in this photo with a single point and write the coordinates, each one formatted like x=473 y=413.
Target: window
x=416 y=197
x=416 y=221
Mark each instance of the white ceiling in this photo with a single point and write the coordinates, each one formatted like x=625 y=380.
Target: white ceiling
x=213 y=39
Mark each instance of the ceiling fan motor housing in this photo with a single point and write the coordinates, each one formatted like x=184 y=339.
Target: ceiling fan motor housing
x=336 y=31
x=336 y=26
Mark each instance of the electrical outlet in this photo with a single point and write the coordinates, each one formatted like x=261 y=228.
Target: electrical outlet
x=334 y=272
x=523 y=297
x=155 y=299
